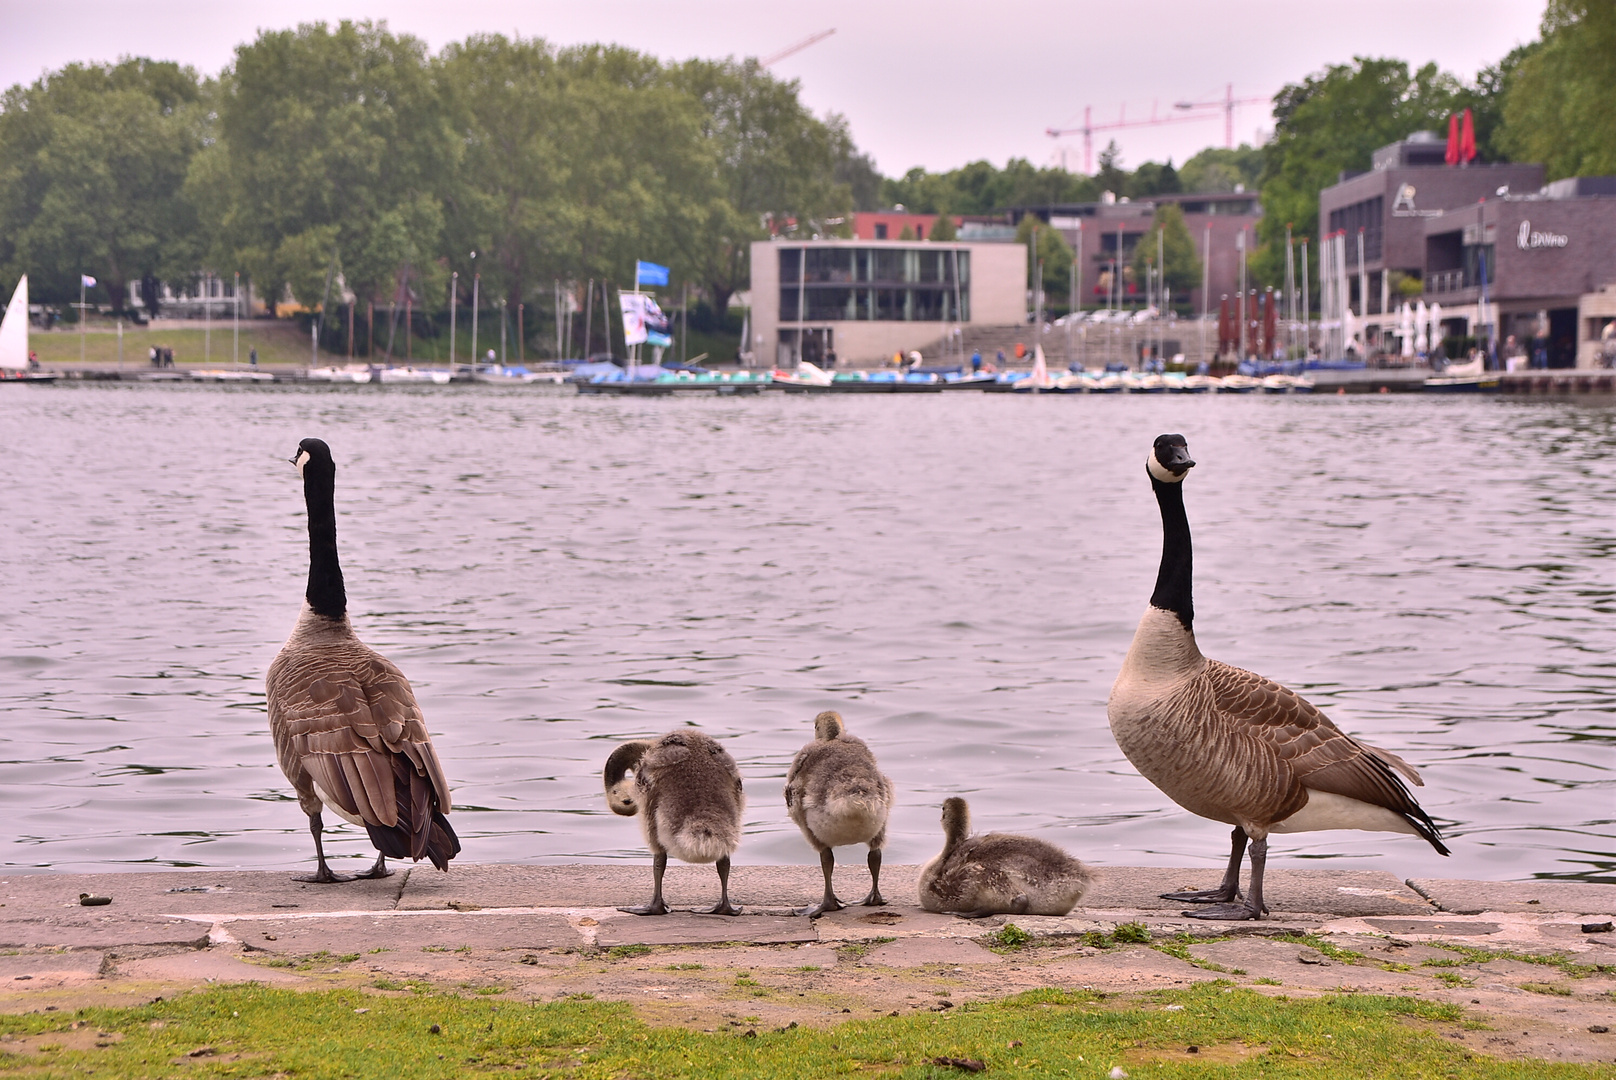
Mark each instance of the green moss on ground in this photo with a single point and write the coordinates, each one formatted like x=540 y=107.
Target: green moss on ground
x=250 y=1031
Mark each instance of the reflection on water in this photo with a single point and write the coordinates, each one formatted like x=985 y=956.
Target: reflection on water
x=959 y=575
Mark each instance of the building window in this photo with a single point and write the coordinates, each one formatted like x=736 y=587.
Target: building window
x=881 y=231
x=875 y=284
x=1366 y=215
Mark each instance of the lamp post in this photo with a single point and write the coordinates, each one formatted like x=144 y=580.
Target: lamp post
x=476 y=281
x=454 y=287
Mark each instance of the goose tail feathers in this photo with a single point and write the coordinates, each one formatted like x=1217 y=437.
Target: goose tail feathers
x=422 y=831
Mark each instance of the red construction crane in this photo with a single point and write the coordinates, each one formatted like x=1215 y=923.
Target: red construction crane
x=1193 y=111
x=797 y=48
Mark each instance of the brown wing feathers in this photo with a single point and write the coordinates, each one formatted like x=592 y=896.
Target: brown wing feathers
x=1319 y=755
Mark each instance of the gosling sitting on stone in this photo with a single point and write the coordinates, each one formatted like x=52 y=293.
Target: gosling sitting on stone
x=687 y=791
x=999 y=873
x=837 y=795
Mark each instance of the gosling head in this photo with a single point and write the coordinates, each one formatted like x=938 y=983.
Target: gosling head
x=956 y=819
x=828 y=725
x=313 y=452
x=1169 y=459
x=620 y=785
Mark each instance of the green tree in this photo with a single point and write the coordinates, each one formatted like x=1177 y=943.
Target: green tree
x=1559 y=96
x=1218 y=169
x=1333 y=121
x=1183 y=266
x=1110 y=176
x=92 y=160
x=1050 y=249
x=1153 y=179
x=332 y=142
x=773 y=159
x=943 y=228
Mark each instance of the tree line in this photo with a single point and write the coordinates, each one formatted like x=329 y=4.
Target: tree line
x=351 y=153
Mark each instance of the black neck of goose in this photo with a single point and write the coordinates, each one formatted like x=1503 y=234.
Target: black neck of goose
x=325 y=593
x=1176 y=576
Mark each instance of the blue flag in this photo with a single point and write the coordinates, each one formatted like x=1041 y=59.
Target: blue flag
x=647 y=273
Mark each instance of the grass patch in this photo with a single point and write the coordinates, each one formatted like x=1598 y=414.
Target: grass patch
x=1546 y=988
x=855 y=949
x=1009 y=937
x=687 y=967
x=1132 y=933
x=1471 y=954
x=254 y=1031
x=1313 y=941
x=620 y=952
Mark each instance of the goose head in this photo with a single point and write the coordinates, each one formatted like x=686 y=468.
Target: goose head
x=1169 y=459
x=828 y=725
x=313 y=452
x=956 y=820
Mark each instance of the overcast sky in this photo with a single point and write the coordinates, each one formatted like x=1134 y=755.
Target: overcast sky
x=934 y=84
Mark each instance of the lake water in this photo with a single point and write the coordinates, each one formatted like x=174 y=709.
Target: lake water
x=958 y=575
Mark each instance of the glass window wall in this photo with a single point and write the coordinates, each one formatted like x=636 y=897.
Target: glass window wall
x=930 y=284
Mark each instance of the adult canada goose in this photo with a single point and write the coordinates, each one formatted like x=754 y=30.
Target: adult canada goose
x=347 y=731
x=687 y=792
x=837 y=796
x=998 y=873
x=1233 y=746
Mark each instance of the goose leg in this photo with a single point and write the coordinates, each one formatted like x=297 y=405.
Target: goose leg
x=875 y=899
x=323 y=875
x=1231 y=877
x=379 y=870
x=1253 y=908
x=827 y=863
x=724 y=906
x=659 y=865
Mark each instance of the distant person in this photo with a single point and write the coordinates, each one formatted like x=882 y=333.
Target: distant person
x=33 y=360
x=1021 y=351
x=252 y=357
x=897 y=359
x=830 y=359
x=999 y=359
x=156 y=361
x=976 y=361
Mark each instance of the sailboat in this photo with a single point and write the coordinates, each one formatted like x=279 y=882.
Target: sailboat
x=14 y=340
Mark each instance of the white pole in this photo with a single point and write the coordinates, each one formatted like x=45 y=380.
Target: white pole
x=314 y=345
x=120 y=344
x=1307 y=313
x=454 y=283
x=207 y=318
x=235 y=316
x=1206 y=285
x=83 y=321
x=476 y=284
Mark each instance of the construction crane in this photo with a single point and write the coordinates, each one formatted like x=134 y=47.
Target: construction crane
x=1193 y=112
x=791 y=50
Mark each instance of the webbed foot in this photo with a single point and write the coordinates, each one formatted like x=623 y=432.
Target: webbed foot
x=324 y=876
x=824 y=907
x=1225 y=913
x=1220 y=895
x=723 y=907
x=655 y=907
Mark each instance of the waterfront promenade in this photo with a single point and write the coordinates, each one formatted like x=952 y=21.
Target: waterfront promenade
x=1535 y=960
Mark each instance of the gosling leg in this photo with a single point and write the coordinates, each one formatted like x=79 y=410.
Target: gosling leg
x=875 y=899
x=659 y=864
x=827 y=864
x=724 y=907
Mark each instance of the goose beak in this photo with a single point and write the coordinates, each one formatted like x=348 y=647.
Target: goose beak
x=1180 y=462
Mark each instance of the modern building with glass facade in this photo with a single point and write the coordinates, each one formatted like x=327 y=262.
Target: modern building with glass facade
x=864 y=300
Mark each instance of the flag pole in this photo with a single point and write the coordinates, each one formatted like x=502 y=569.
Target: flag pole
x=81 y=317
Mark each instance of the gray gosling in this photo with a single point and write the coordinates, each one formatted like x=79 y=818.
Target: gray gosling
x=1231 y=745
x=837 y=796
x=686 y=790
x=347 y=731
x=998 y=873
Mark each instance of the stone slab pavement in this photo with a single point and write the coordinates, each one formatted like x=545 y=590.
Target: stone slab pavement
x=1541 y=897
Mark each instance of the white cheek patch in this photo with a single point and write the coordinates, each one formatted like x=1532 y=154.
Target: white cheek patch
x=1160 y=472
x=302 y=460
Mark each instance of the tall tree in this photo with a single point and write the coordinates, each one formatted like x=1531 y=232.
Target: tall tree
x=1182 y=269
x=1218 y=169
x=92 y=161
x=333 y=142
x=1558 y=102
x=1049 y=247
x=1333 y=121
x=773 y=161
